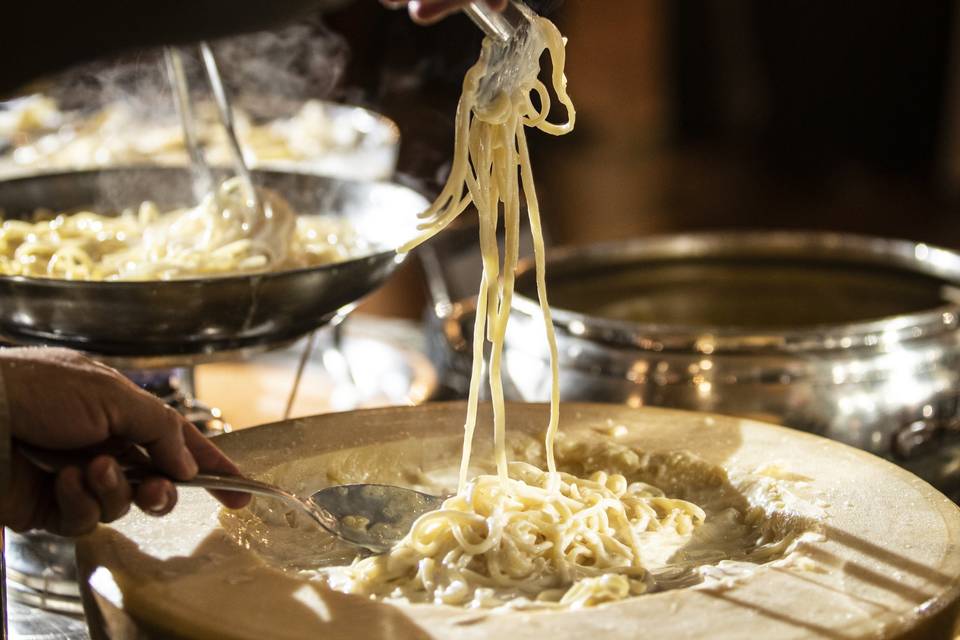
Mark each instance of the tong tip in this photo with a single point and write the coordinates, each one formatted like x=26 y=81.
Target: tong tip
x=500 y=26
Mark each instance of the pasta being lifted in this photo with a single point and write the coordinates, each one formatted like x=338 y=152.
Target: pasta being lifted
x=522 y=536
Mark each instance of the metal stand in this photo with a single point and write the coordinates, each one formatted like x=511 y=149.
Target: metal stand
x=332 y=356
x=176 y=387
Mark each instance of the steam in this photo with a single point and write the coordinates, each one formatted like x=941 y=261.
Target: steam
x=268 y=75
x=270 y=71
x=266 y=72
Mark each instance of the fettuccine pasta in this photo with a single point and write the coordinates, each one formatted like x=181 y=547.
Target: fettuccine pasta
x=222 y=235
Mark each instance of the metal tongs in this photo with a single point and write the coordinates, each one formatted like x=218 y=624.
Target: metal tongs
x=501 y=26
x=203 y=176
x=509 y=32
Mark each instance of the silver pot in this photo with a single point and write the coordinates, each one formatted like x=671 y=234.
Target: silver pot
x=850 y=337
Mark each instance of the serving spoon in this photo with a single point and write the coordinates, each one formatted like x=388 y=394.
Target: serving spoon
x=373 y=517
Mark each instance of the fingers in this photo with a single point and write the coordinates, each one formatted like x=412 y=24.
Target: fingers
x=430 y=11
x=69 y=503
x=29 y=498
x=110 y=488
x=212 y=460
x=144 y=419
x=175 y=446
x=156 y=496
x=77 y=511
x=74 y=501
x=178 y=448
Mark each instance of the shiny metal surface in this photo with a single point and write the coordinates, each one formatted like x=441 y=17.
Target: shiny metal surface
x=30 y=623
x=202 y=176
x=43 y=597
x=493 y=24
x=203 y=315
x=42 y=562
x=853 y=338
x=153 y=362
x=373 y=516
x=225 y=110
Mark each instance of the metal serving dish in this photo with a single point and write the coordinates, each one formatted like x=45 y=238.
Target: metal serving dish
x=201 y=315
x=850 y=337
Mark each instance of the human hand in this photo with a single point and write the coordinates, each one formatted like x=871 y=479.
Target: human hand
x=429 y=11
x=60 y=400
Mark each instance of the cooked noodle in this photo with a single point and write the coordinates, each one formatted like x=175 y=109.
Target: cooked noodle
x=522 y=535
x=222 y=235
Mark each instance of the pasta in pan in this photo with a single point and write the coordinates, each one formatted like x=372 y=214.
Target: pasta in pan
x=222 y=235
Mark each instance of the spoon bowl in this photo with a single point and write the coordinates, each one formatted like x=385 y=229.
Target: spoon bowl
x=373 y=516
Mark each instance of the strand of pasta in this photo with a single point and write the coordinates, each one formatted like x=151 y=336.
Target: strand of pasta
x=489 y=149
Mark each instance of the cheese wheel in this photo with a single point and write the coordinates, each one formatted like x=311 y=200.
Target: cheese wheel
x=886 y=562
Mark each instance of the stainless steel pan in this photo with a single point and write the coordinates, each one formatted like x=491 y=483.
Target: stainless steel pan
x=203 y=315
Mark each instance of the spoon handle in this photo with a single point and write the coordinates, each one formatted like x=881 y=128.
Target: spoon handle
x=136 y=465
x=216 y=482
x=317 y=513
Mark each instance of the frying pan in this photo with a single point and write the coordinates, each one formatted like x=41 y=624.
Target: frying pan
x=198 y=316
